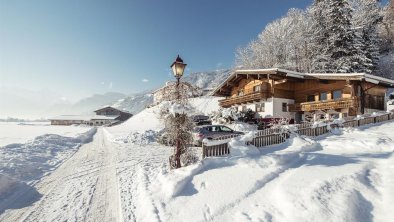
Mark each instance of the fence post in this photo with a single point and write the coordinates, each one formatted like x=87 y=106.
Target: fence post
x=203 y=151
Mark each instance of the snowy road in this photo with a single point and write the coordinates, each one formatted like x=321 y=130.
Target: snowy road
x=84 y=188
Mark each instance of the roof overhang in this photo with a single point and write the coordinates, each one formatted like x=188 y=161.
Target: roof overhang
x=273 y=73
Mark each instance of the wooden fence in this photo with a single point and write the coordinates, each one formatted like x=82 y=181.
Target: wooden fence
x=269 y=137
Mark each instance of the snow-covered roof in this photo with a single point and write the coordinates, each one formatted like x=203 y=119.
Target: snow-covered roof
x=271 y=71
x=353 y=76
x=106 y=107
x=83 y=118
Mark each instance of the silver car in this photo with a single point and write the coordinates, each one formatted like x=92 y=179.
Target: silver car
x=211 y=132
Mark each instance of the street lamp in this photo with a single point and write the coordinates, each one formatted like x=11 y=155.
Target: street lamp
x=178 y=67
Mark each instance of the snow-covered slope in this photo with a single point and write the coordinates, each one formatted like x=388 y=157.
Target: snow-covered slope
x=148 y=120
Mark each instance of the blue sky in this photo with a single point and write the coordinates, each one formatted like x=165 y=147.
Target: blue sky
x=78 y=48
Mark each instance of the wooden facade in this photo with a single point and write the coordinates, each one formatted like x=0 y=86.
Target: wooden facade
x=348 y=94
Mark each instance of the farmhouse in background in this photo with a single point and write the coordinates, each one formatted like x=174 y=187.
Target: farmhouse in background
x=168 y=92
x=105 y=116
x=110 y=111
x=275 y=93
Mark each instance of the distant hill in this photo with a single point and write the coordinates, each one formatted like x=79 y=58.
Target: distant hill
x=96 y=101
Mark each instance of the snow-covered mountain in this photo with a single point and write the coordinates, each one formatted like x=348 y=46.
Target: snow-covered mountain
x=96 y=101
x=135 y=103
x=86 y=105
x=28 y=104
x=207 y=80
x=44 y=104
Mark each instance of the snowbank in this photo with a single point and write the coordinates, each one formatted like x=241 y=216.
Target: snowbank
x=30 y=161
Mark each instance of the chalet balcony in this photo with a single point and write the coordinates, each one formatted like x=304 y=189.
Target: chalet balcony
x=324 y=105
x=248 y=98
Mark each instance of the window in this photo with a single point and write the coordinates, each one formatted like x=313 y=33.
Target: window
x=243 y=108
x=336 y=94
x=310 y=98
x=260 y=107
x=284 y=107
x=240 y=93
x=323 y=96
x=256 y=88
x=225 y=129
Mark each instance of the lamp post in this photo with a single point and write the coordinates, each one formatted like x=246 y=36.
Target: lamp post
x=178 y=67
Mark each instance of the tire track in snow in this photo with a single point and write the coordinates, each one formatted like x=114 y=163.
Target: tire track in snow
x=137 y=172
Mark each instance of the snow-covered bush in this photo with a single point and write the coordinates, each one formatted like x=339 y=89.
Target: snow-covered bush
x=224 y=115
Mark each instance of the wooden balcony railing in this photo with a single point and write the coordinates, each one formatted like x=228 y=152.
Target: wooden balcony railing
x=324 y=105
x=252 y=97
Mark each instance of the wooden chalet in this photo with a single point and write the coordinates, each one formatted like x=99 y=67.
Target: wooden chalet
x=277 y=92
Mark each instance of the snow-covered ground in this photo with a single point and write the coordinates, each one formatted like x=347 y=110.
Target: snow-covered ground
x=123 y=175
x=12 y=132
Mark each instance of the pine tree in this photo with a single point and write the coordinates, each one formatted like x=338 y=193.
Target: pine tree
x=342 y=45
x=367 y=16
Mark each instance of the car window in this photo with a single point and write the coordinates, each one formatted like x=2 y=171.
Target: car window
x=225 y=129
x=215 y=129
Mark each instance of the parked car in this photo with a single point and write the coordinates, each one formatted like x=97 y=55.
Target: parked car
x=201 y=120
x=211 y=132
